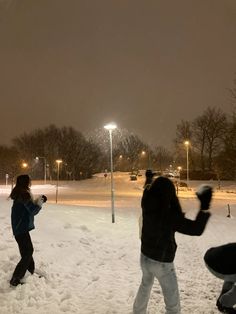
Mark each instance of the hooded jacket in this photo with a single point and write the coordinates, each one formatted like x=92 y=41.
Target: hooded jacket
x=222 y=259
x=22 y=214
x=162 y=217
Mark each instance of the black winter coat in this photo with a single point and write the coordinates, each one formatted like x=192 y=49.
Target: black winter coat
x=222 y=259
x=162 y=217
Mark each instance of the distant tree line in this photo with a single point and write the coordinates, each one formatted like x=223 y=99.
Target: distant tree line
x=212 y=138
x=81 y=156
x=212 y=150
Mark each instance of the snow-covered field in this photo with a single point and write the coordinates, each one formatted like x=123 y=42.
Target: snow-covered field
x=90 y=265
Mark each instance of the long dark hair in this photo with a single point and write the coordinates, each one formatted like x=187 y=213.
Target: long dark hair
x=22 y=188
x=163 y=187
x=161 y=196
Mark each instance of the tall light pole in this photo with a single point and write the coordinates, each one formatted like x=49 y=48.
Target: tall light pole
x=179 y=170
x=110 y=127
x=45 y=167
x=58 y=161
x=186 y=143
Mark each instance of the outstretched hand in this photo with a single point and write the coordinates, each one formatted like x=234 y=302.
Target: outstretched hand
x=204 y=194
x=44 y=198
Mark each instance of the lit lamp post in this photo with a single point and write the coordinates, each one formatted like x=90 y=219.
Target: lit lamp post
x=143 y=155
x=110 y=127
x=58 y=161
x=45 y=167
x=186 y=143
x=179 y=170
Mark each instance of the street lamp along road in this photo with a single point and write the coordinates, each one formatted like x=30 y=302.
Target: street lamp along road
x=45 y=167
x=58 y=161
x=186 y=143
x=110 y=127
x=179 y=171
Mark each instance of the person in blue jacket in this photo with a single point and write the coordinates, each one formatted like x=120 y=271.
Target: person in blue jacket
x=24 y=209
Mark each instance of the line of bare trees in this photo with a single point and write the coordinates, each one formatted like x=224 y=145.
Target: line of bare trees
x=212 y=150
x=82 y=156
x=213 y=143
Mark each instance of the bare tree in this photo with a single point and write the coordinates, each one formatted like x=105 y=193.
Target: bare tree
x=200 y=137
x=217 y=123
x=131 y=148
x=225 y=161
x=9 y=162
x=233 y=92
x=80 y=157
x=183 y=132
x=163 y=158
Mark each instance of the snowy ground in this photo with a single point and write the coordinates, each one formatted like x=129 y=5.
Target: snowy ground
x=91 y=266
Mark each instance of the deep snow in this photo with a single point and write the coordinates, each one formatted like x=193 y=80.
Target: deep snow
x=91 y=265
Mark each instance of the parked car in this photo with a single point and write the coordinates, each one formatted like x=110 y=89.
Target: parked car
x=133 y=177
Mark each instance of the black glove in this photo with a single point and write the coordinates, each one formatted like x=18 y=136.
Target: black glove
x=44 y=197
x=204 y=194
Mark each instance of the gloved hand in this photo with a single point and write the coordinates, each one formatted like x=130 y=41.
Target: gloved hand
x=44 y=197
x=204 y=194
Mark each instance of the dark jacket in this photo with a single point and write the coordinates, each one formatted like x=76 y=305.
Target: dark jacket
x=222 y=259
x=22 y=215
x=162 y=217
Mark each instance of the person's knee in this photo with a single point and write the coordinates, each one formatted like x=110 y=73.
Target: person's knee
x=28 y=252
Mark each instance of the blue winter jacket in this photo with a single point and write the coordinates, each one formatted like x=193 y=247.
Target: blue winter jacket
x=22 y=215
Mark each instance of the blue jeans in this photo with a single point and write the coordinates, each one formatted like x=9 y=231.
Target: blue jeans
x=165 y=274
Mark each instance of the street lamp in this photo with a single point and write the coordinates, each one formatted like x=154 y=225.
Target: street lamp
x=144 y=154
x=186 y=143
x=24 y=165
x=110 y=127
x=58 y=161
x=45 y=167
x=179 y=170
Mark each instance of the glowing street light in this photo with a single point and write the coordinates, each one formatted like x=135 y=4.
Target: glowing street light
x=186 y=143
x=144 y=154
x=45 y=167
x=110 y=127
x=179 y=170
x=24 y=165
x=58 y=161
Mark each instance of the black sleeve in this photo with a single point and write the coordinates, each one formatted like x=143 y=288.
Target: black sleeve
x=188 y=226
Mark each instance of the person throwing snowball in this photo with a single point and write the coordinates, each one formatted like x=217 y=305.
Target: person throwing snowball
x=162 y=216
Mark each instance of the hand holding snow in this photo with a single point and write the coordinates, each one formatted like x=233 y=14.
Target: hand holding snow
x=204 y=194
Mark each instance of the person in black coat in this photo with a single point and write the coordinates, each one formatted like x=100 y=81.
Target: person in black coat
x=24 y=209
x=162 y=216
x=221 y=262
